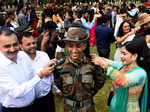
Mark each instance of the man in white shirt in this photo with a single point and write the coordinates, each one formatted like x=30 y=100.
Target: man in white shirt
x=38 y=59
x=17 y=83
x=119 y=19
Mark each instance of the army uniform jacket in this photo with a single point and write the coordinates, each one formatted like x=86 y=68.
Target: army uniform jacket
x=79 y=82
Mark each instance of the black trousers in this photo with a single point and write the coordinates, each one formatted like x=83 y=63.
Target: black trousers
x=45 y=104
x=103 y=52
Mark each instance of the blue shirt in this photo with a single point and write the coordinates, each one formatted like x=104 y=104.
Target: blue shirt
x=104 y=36
x=87 y=26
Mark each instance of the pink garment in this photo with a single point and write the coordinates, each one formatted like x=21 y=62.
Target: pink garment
x=35 y=2
x=92 y=35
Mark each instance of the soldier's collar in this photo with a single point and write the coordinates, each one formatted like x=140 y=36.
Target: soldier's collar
x=77 y=63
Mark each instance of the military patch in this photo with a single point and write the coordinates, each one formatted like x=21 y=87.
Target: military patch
x=87 y=79
x=68 y=80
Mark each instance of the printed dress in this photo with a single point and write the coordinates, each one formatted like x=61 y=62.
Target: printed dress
x=136 y=82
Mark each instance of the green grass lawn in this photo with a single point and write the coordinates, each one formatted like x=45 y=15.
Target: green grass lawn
x=100 y=98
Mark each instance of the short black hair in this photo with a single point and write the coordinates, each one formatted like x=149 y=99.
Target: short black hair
x=24 y=34
x=11 y=12
x=50 y=25
x=123 y=10
x=7 y=32
x=103 y=19
x=78 y=13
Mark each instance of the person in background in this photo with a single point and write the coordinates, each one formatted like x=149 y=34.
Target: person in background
x=11 y=20
x=68 y=19
x=107 y=11
x=61 y=35
x=122 y=16
x=143 y=25
x=114 y=16
x=77 y=18
x=49 y=40
x=38 y=59
x=89 y=17
x=126 y=33
x=104 y=36
x=133 y=11
x=129 y=75
x=3 y=25
x=87 y=26
x=22 y=20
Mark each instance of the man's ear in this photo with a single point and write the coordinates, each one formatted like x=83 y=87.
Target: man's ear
x=20 y=46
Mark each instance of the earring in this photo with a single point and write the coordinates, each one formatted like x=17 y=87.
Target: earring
x=141 y=58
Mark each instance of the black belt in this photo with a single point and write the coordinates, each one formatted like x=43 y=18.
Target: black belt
x=21 y=109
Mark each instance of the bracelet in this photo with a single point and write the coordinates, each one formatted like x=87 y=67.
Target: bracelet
x=105 y=68
x=110 y=71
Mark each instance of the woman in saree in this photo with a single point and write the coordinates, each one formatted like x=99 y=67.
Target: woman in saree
x=130 y=79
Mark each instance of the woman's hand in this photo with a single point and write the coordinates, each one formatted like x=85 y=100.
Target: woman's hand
x=100 y=61
x=133 y=31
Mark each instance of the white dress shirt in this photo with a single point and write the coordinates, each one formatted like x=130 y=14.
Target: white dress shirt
x=119 y=20
x=40 y=61
x=16 y=84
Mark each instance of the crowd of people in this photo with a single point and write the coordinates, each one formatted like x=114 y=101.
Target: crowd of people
x=39 y=52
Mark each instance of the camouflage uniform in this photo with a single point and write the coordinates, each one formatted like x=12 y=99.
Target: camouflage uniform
x=79 y=82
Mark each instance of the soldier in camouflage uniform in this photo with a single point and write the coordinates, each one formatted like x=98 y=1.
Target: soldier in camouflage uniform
x=77 y=77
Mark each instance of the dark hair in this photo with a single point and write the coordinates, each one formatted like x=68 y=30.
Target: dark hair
x=78 y=13
x=132 y=5
x=50 y=25
x=140 y=47
x=9 y=13
x=33 y=16
x=7 y=32
x=102 y=19
x=91 y=13
x=70 y=13
x=120 y=32
x=24 y=34
x=147 y=10
x=123 y=10
x=141 y=8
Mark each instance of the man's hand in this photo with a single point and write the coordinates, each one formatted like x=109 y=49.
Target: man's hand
x=48 y=69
